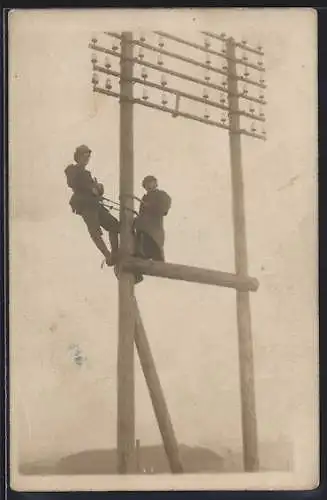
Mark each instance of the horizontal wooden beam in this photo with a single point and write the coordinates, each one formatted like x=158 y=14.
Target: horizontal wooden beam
x=190 y=274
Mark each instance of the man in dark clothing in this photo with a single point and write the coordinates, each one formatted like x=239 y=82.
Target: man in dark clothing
x=149 y=228
x=86 y=202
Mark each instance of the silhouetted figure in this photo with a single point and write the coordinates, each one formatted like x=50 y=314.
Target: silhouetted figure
x=148 y=225
x=86 y=202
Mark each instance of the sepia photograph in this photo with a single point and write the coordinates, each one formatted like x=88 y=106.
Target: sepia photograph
x=163 y=314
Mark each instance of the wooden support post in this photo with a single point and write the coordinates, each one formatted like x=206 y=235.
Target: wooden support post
x=190 y=274
x=156 y=394
x=249 y=421
x=125 y=362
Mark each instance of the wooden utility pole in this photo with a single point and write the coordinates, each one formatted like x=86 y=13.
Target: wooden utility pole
x=249 y=420
x=130 y=324
x=125 y=363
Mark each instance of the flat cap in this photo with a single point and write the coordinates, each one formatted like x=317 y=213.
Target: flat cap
x=149 y=178
x=82 y=149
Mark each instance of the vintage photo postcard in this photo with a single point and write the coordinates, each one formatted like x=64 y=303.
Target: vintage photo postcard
x=163 y=249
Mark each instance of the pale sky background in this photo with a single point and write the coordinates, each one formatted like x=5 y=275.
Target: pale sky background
x=59 y=294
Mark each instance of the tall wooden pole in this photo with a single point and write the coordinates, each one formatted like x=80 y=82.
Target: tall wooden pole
x=125 y=358
x=249 y=421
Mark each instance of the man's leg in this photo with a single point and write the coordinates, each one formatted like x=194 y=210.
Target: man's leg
x=91 y=219
x=139 y=250
x=110 y=224
x=151 y=249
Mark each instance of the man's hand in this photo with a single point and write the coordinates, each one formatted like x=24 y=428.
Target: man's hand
x=101 y=189
x=98 y=190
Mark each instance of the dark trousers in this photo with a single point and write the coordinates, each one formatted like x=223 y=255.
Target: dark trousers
x=147 y=248
x=99 y=217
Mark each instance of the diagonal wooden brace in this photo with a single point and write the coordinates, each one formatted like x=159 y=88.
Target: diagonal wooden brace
x=156 y=394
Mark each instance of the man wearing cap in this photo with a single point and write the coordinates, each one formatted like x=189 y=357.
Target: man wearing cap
x=149 y=227
x=86 y=202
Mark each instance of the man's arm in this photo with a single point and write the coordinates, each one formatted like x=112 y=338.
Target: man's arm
x=159 y=203
x=80 y=180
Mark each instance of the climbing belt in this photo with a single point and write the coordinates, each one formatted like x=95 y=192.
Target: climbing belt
x=114 y=205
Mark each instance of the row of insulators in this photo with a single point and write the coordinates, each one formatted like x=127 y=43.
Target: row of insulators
x=107 y=61
x=144 y=73
x=145 y=96
x=254 y=130
x=244 y=75
x=223 y=37
x=140 y=56
x=245 y=92
x=244 y=60
x=95 y=81
x=222 y=98
x=222 y=101
x=161 y=45
x=224 y=118
x=160 y=61
x=163 y=81
x=207 y=75
x=164 y=102
x=259 y=61
x=207 y=42
x=161 y=42
x=115 y=47
x=207 y=60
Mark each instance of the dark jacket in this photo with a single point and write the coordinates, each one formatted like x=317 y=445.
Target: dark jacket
x=154 y=207
x=82 y=183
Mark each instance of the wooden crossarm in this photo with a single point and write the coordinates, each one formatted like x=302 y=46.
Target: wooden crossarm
x=190 y=274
